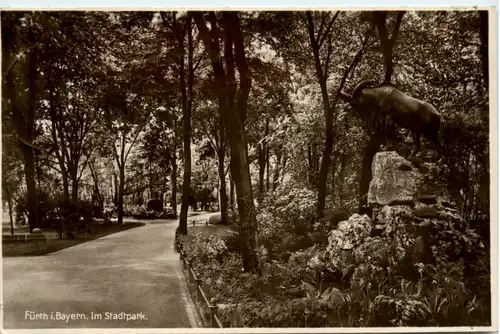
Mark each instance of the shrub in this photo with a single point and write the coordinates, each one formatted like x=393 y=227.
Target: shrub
x=108 y=212
x=155 y=205
x=285 y=219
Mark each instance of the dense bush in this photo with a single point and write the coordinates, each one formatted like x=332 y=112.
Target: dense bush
x=466 y=162
x=55 y=213
x=285 y=219
x=140 y=212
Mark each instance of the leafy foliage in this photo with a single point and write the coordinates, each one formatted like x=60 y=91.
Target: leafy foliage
x=101 y=96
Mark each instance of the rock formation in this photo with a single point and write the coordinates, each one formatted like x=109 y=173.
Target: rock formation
x=414 y=232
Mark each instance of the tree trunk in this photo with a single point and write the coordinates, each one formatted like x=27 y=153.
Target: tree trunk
x=262 y=169
x=285 y=160
x=386 y=41
x=150 y=181
x=263 y=151
x=231 y=192
x=186 y=187
x=341 y=179
x=268 y=169
x=233 y=107
x=173 y=199
x=186 y=94
x=120 y=193
x=30 y=177
x=247 y=218
x=235 y=116
x=483 y=49
x=322 y=77
x=20 y=87
x=222 y=189
x=312 y=157
x=74 y=186
x=334 y=170
x=96 y=185
x=115 y=199
x=9 y=203
x=277 y=167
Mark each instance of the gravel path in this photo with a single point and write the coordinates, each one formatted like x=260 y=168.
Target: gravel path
x=133 y=274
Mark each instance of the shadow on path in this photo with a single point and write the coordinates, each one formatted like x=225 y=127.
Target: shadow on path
x=135 y=272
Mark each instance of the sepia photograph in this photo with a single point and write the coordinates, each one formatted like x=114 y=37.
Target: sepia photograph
x=249 y=169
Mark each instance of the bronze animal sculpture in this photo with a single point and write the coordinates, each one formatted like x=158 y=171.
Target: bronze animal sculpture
x=420 y=117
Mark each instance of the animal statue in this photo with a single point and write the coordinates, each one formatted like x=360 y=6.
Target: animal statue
x=420 y=117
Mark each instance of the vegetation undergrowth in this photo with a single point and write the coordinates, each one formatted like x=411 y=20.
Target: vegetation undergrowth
x=298 y=288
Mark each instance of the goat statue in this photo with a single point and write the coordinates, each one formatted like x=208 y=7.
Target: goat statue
x=420 y=117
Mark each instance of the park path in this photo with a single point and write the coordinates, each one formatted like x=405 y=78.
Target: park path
x=134 y=271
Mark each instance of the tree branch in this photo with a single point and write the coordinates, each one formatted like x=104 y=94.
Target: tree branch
x=327 y=31
x=395 y=31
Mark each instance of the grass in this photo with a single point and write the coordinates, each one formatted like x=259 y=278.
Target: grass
x=215 y=230
x=54 y=244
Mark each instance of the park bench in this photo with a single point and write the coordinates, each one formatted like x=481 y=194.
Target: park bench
x=19 y=244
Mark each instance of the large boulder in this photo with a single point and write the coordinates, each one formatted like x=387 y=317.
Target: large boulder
x=393 y=179
x=397 y=181
x=345 y=238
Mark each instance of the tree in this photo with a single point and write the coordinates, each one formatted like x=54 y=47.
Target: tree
x=233 y=106
x=211 y=126
x=386 y=41
x=21 y=38
x=12 y=168
x=124 y=115
x=317 y=40
x=186 y=90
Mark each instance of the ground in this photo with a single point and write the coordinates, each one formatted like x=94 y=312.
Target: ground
x=132 y=271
